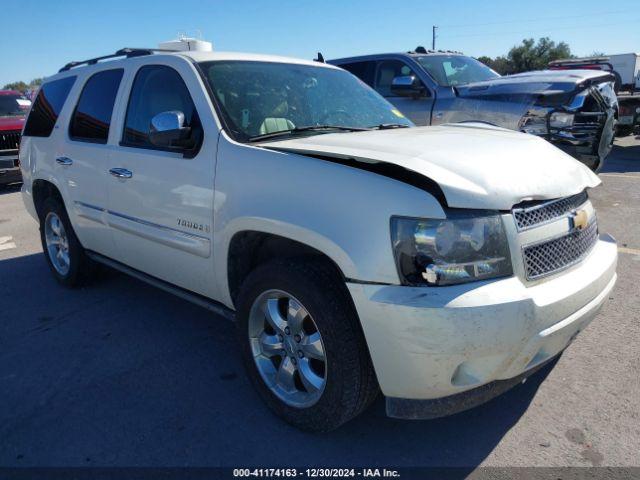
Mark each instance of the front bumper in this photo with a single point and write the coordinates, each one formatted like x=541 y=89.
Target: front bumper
x=12 y=175
x=9 y=168
x=589 y=139
x=434 y=342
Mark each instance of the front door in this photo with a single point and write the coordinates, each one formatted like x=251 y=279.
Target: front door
x=418 y=110
x=161 y=200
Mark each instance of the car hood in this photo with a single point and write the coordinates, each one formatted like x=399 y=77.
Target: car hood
x=543 y=82
x=476 y=166
x=11 y=123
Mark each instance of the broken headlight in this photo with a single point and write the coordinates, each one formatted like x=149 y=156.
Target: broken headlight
x=561 y=120
x=533 y=124
x=454 y=250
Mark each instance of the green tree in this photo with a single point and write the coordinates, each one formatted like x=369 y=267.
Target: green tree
x=528 y=56
x=19 y=86
x=502 y=65
x=536 y=56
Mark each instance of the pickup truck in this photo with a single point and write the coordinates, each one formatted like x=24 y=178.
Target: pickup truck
x=575 y=110
x=356 y=252
x=13 y=107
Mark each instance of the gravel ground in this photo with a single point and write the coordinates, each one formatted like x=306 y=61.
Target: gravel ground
x=122 y=374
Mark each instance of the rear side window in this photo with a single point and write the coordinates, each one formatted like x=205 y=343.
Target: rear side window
x=365 y=71
x=47 y=106
x=92 y=116
x=156 y=89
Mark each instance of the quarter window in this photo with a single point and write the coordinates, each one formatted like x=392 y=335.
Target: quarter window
x=92 y=116
x=157 y=89
x=363 y=70
x=47 y=107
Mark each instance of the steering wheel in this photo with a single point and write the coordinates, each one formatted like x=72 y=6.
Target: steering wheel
x=344 y=118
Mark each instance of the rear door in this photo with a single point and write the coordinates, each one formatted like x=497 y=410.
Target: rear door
x=83 y=158
x=160 y=200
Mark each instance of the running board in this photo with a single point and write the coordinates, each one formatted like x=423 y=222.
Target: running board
x=195 y=298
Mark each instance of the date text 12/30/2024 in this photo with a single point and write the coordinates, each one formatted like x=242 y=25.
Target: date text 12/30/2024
x=316 y=472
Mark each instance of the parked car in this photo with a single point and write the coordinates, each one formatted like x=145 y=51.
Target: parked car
x=573 y=110
x=439 y=264
x=13 y=106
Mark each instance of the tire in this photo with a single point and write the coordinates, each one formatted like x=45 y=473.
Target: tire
x=350 y=384
x=624 y=130
x=79 y=266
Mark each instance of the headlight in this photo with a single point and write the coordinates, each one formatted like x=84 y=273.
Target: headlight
x=561 y=120
x=455 y=250
x=533 y=124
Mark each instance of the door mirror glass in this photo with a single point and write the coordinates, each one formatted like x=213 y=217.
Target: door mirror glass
x=407 y=86
x=167 y=130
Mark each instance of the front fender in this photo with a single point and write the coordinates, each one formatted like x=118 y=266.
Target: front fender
x=341 y=211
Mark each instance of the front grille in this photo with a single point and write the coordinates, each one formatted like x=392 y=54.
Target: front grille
x=10 y=140
x=557 y=254
x=531 y=216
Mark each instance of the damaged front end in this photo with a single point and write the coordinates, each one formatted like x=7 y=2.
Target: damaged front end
x=583 y=127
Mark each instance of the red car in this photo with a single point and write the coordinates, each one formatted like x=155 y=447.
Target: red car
x=13 y=108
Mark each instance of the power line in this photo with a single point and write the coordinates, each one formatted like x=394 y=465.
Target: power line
x=532 y=20
x=528 y=33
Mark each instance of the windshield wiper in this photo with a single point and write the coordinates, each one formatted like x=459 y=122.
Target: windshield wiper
x=389 y=126
x=310 y=128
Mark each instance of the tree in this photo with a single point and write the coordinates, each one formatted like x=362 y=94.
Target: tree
x=536 y=56
x=528 y=56
x=499 y=64
x=24 y=87
x=19 y=86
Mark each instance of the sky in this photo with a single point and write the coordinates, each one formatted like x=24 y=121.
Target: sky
x=40 y=36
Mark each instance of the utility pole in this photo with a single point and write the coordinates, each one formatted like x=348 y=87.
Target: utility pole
x=433 y=40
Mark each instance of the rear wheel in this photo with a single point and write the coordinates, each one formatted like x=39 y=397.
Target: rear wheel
x=303 y=346
x=65 y=256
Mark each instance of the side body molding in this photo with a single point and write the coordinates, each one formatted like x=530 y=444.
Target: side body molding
x=171 y=237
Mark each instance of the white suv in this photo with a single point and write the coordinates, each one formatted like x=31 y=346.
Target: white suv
x=438 y=264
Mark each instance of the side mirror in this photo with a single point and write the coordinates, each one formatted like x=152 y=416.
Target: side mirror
x=407 y=86
x=167 y=130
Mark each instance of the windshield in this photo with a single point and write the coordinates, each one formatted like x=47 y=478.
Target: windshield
x=452 y=70
x=13 y=105
x=258 y=98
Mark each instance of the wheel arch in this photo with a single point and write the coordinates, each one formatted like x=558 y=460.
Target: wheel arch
x=42 y=189
x=250 y=248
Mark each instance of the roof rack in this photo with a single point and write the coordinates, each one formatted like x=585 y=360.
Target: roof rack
x=123 y=52
x=421 y=50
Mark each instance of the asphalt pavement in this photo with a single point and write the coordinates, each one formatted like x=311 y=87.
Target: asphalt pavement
x=122 y=374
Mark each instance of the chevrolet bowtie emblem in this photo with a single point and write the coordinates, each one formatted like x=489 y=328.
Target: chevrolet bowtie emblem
x=579 y=220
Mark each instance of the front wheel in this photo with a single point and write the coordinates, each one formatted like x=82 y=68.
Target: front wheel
x=303 y=346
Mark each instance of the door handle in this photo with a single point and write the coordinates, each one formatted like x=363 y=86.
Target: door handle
x=121 y=173
x=66 y=161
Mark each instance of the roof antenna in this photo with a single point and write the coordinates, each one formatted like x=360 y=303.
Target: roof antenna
x=319 y=59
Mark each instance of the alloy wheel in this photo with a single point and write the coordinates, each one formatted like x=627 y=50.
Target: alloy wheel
x=287 y=348
x=57 y=243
